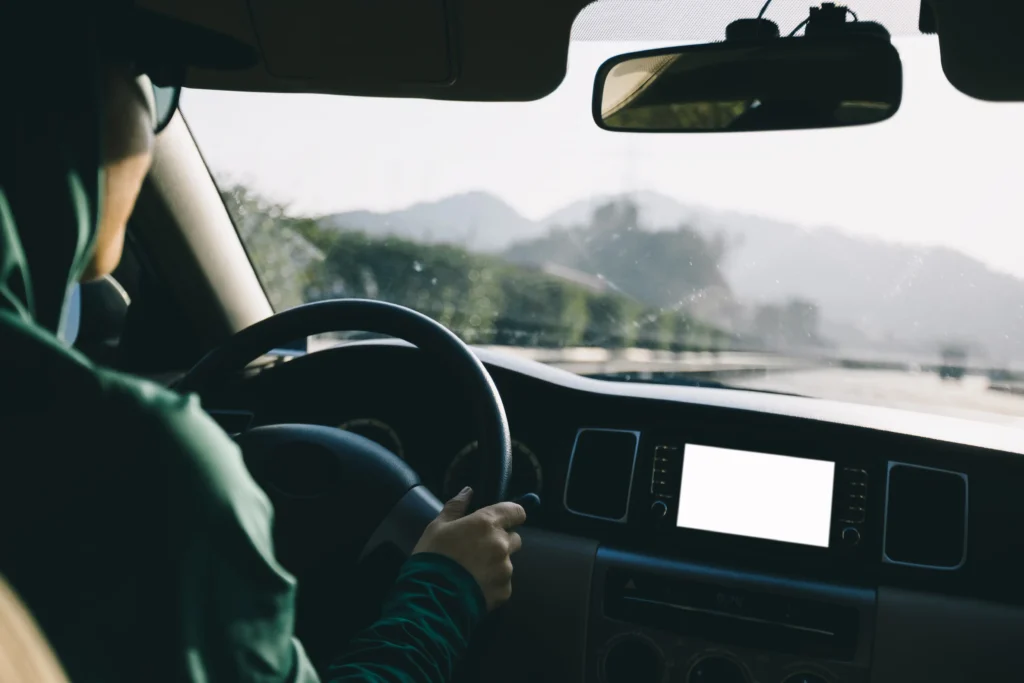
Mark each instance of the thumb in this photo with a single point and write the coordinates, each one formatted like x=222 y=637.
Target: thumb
x=456 y=507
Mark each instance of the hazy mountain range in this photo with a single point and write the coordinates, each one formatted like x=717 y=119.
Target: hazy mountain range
x=870 y=292
x=476 y=220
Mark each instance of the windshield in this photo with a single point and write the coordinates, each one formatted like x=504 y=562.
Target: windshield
x=872 y=264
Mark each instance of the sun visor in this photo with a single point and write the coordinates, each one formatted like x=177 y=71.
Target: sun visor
x=981 y=45
x=370 y=41
x=155 y=40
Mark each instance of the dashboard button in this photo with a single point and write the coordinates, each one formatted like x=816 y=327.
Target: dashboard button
x=668 y=467
x=851 y=536
x=716 y=670
x=659 y=510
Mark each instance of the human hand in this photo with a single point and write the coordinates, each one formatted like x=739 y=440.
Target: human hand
x=481 y=542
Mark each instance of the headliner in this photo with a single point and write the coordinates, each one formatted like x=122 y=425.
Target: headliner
x=513 y=50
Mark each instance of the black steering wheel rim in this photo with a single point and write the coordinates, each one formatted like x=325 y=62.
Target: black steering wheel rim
x=381 y=318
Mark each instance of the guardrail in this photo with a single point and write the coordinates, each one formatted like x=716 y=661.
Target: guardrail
x=600 y=361
x=588 y=360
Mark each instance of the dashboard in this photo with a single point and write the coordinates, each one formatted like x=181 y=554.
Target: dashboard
x=703 y=535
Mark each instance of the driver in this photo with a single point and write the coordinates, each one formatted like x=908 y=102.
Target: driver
x=129 y=524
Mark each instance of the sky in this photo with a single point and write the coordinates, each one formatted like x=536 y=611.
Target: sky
x=946 y=170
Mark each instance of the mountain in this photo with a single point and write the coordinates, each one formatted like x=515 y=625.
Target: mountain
x=877 y=292
x=870 y=293
x=656 y=209
x=640 y=263
x=476 y=220
x=890 y=292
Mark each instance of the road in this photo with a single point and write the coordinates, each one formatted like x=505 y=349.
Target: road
x=969 y=398
x=601 y=361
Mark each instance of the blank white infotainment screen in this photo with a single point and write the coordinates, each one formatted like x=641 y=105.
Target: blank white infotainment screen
x=774 y=497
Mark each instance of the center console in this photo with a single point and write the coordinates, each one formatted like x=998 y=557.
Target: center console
x=794 y=508
x=799 y=501
x=693 y=592
x=804 y=501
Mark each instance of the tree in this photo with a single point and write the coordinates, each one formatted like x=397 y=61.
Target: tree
x=539 y=310
x=657 y=329
x=481 y=298
x=612 y=321
x=665 y=269
x=794 y=323
x=456 y=288
x=284 y=260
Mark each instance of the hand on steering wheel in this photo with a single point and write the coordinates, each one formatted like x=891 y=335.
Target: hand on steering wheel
x=482 y=542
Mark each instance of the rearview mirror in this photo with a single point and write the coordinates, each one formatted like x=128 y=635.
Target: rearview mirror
x=772 y=84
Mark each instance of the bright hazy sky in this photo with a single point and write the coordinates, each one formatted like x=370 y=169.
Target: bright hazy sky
x=945 y=170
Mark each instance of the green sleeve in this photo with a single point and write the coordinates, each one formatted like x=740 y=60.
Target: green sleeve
x=424 y=627
x=235 y=603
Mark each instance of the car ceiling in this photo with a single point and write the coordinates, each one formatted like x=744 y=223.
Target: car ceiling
x=514 y=50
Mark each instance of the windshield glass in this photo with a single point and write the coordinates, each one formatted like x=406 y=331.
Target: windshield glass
x=871 y=264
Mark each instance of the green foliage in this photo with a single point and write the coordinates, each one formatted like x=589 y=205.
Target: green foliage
x=613 y=321
x=456 y=288
x=284 y=260
x=540 y=310
x=657 y=329
x=482 y=298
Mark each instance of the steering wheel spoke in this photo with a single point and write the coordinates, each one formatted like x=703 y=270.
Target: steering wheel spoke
x=404 y=525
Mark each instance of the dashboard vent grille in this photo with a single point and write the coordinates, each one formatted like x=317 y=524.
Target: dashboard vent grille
x=730 y=614
x=600 y=474
x=925 y=517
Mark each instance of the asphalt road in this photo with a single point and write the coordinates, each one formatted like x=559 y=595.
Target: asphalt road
x=969 y=398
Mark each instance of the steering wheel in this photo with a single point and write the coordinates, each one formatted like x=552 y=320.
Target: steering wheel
x=339 y=497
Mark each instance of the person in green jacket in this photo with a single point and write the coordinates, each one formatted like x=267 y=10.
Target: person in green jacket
x=129 y=524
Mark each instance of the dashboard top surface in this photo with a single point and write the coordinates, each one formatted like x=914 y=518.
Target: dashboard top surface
x=954 y=430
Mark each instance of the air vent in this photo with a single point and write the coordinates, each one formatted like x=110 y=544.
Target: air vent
x=730 y=614
x=601 y=473
x=925 y=517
